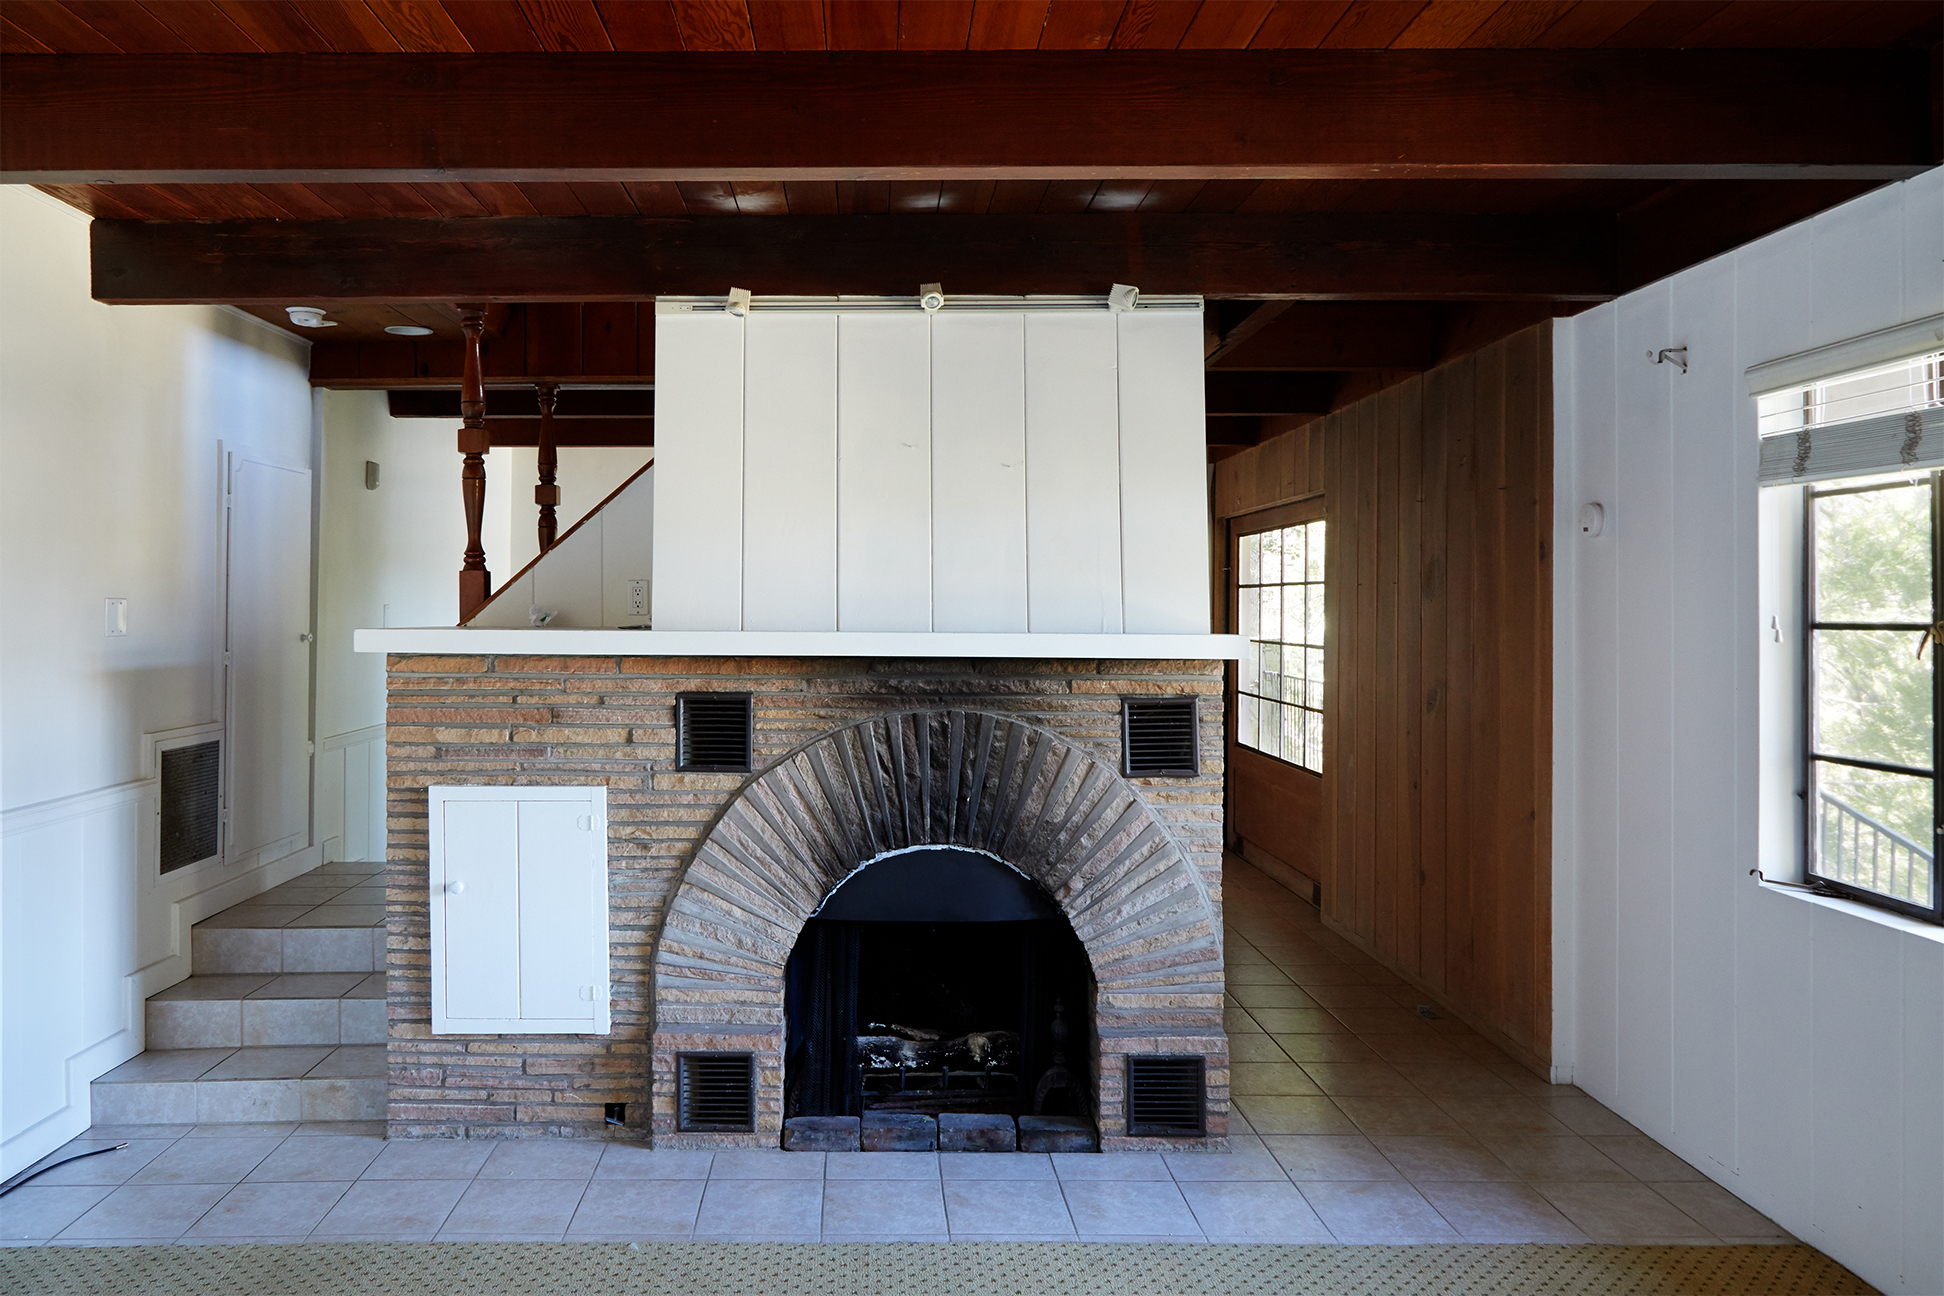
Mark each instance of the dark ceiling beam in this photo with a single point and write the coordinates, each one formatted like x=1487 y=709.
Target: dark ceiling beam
x=1687 y=223
x=631 y=258
x=519 y=403
x=1176 y=114
x=1263 y=394
x=1234 y=431
x=1339 y=336
x=573 y=431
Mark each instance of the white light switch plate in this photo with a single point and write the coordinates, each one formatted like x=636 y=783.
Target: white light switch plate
x=114 y=617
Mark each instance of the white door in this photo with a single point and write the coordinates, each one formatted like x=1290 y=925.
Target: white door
x=267 y=639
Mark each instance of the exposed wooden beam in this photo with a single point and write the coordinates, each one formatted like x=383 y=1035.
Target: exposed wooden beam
x=1687 y=223
x=1269 y=393
x=515 y=403
x=1234 y=431
x=574 y=432
x=1339 y=336
x=1244 y=114
x=592 y=259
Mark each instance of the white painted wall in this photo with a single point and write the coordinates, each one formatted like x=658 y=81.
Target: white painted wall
x=583 y=580
x=993 y=468
x=1792 y=1049
x=110 y=420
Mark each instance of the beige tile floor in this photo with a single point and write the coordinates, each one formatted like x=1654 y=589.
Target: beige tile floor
x=1357 y=1121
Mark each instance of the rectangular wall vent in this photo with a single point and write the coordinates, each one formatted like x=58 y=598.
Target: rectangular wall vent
x=714 y=731
x=1165 y=1095
x=192 y=804
x=717 y=1092
x=1159 y=736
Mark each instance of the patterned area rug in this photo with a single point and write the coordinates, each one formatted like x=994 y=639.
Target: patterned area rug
x=956 y=1269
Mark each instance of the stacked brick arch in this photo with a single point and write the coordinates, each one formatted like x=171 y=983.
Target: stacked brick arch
x=1049 y=806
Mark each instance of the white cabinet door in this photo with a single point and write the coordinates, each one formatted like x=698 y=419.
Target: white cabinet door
x=518 y=880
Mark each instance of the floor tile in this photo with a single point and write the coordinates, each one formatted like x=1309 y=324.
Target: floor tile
x=1270 y=1114
x=105 y=1168
x=1620 y=1212
x=659 y=1206
x=198 y=989
x=1257 y=1047
x=462 y=1235
x=1568 y=1158
x=1129 y=1206
x=1264 y=973
x=268 y=1063
x=207 y=1161
x=1324 y=1048
x=1500 y=1212
x=1398 y=1115
x=310 y=1159
x=260 y=1209
x=953 y=1166
x=1329 y=1157
x=1298 y=1021
x=1271 y=996
x=350 y=1060
x=1442 y=1158
x=244 y=1129
x=429 y=1159
x=36 y=1212
x=1356 y=995
x=1359 y=1079
x=854 y=1206
x=1643 y=1158
x=542 y=1159
x=1508 y=1114
x=1383 y=1213
x=759 y=1210
x=1454 y=1079
x=881 y=1165
x=165 y=1065
x=1270 y=1078
x=365 y=915
x=1718 y=1210
x=1399 y=1049
x=767 y=1165
x=142 y=1211
x=253 y=915
x=515 y=1206
x=106 y=1132
x=1247 y=1163
x=629 y=1161
x=339 y=1128
x=1236 y=1021
x=248 y=1100
x=1584 y=1115
x=1077 y=1167
x=404 y=1208
x=1254 y=1212
x=308 y=985
x=996 y=1207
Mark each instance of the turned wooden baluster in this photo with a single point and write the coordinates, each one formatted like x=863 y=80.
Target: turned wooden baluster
x=475 y=582
x=546 y=494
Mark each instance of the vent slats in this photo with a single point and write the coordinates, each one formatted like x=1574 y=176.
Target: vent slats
x=192 y=802
x=1159 y=737
x=1165 y=1095
x=717 y=1092
x=714 y=731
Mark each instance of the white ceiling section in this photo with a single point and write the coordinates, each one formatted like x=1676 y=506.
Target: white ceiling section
x=1001 y=465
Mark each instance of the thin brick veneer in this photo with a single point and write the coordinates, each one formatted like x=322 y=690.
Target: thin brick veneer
x=1136 y=864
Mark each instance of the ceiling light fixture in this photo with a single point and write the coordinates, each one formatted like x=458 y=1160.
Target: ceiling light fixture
x=308 y=317
x=409 y=330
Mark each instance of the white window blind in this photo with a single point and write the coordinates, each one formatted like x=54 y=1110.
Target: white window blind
x=1882 y=418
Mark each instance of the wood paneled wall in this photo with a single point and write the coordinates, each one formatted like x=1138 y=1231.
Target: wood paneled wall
x=1433 y=828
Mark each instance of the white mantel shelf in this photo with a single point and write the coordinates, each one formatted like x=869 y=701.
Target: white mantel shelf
x=798 y=643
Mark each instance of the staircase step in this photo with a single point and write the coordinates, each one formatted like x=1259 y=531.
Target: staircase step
x=331 y=919
x=222 y=1085
x=260 y=1009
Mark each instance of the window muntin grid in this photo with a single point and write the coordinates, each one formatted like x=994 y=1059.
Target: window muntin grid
x=1279 y=596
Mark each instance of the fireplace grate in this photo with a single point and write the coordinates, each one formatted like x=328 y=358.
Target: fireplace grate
x=1160 y=736
x=717 y=1092
x=1164 y=1095
x=714 y=731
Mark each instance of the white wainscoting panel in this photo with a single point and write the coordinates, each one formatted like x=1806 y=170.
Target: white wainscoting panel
x=351 y=795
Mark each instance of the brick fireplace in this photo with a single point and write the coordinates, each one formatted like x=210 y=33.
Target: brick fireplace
x=711 y=876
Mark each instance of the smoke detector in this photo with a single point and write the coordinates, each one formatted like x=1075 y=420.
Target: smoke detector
x=308 y=317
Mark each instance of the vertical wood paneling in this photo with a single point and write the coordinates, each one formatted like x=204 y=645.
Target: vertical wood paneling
x=1436 y=787
x=698 y=399
x=1073 y=559
x=790 y=472
x=884 y=523
x=978 y=472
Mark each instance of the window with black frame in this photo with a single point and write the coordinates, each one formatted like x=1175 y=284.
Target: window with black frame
x=1279 y=689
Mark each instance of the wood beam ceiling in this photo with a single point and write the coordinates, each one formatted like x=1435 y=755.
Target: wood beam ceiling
x=1304 y=114
x=591 y=259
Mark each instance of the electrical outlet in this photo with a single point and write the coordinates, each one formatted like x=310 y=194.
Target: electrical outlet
x=115 y=618
x=637 y=598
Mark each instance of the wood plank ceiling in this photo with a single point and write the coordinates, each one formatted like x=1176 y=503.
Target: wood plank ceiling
x=1659 y=222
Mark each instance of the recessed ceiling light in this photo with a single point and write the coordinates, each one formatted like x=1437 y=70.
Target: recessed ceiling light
x=309 y=317
x=409 y=330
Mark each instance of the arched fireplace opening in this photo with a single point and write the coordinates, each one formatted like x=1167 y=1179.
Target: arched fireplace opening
x=938 y=980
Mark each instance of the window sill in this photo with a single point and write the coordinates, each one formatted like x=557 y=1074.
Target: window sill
x=1868 y=913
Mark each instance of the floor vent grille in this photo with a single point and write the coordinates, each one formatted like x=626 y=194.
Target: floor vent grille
x=1160 y=736
x=192 y=804
x=717 y=1092
x=1165 y=1095
x=715 y=731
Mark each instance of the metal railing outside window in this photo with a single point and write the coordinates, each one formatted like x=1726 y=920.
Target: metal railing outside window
x=1279 y=690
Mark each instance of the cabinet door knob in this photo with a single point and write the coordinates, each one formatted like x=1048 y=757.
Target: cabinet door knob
x=454 y=888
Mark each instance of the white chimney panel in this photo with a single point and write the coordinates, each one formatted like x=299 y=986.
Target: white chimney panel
x=1163 y=474
x=789 y=434
x=978 y=377
x=884 y=477
x=698 y=558
x=1073 y=573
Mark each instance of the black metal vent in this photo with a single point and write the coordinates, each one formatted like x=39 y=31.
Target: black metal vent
x=1159 y=736
x=713 y=730
x=717 y=1092
x=192 y=804
x=1164 y=1095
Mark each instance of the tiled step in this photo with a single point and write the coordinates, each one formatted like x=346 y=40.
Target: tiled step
x=205 y=1086
x=241 y=1010
x=331 y=919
